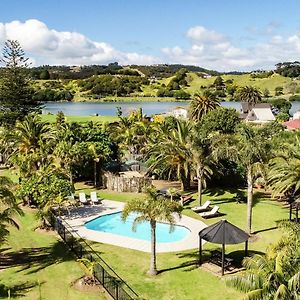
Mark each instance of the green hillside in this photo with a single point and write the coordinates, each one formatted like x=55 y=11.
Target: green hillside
x=146 y=92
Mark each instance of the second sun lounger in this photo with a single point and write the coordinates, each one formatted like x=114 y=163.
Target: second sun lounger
x=202 y=207
x=212 y=213
x=94 y=198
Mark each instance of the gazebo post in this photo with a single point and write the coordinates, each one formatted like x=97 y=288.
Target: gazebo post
x=223 y=258
x=200 y=250
x=246 y=248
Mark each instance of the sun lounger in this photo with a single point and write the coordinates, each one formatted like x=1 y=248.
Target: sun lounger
x=82 y=199
x=202 y=207
x=212 y=213
x=94 y=198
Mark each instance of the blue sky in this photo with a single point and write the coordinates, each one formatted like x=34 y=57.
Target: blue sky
x=223 y=35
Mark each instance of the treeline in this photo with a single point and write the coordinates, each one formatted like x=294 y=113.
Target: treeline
x=164 y=70
x=288 y=69
x=107 y=85
x=79 y=72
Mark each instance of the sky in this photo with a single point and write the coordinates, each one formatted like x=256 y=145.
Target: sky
x=222 y=35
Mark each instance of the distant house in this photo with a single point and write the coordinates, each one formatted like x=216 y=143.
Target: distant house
x=292 y=124
x=259 y=113
x=180 y=112
x=296 y=115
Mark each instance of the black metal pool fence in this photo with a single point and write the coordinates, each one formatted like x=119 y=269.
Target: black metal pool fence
x=112 y=283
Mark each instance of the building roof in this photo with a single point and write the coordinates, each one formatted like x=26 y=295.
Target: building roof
x=292 y=124
x=223 y=232
x=260 y=115
x=247 y=106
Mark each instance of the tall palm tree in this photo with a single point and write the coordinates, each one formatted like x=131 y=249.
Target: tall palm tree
x=172 y=154
x=275 y=275
x=284 y=171
x=31 y=142
x=249 y=148
x=153 y=209
x=250 y=94
x=201 y=159
x=201 y=105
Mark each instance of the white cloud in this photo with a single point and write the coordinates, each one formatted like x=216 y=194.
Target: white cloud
x=214 y=50
x=49 y=46
x=200 y=34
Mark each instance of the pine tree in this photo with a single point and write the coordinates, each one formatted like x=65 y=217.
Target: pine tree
x=16 y=94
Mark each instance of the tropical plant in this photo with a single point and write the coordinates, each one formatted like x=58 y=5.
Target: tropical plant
x=171 y=154
x=250 y=148
x=249 y=94
x=8 y=207
x=153 y=209
x=275 y=275
x=284 y=169
x=201 y=105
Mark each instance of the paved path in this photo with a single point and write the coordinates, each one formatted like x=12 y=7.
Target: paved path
x=79 y=216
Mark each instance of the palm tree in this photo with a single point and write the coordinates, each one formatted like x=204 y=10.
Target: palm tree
x=201 y=105
x=31 y=142
x=251 y=149
x=9 y=207
x=284 y=171
x=275 y=275
x=201 y=159
x=250 y=94
x=172 y=154
x=153 y=209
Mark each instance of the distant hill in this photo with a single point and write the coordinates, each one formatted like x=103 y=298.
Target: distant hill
x=112 y=81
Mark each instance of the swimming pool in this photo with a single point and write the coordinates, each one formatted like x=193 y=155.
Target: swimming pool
x=113 y=223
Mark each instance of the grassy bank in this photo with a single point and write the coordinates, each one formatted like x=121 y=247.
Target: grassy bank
x=81 y=119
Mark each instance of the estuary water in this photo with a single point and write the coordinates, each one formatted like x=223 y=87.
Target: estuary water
x=110 y=108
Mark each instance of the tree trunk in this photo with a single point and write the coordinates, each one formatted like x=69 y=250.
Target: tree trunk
x=249 y=198
x=153 y=270
x=199 y=178
x=95 y=174
x=185 y=180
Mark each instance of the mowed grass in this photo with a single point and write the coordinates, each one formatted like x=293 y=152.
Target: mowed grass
x=37 y=265
x=81 y=119
x=180 y=277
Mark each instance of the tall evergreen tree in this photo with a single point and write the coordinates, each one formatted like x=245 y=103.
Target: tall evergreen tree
x=16 y=94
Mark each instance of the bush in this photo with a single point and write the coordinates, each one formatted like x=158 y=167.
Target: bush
x=295 y=98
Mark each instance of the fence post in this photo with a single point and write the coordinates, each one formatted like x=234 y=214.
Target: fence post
x=64 y=232
x=117 y=290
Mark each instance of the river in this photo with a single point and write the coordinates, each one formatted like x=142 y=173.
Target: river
x=109 y=108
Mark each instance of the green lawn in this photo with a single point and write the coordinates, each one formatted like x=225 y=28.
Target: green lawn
x=180 y=278
x=37 y=265
x=46 y=260
x=81 y=119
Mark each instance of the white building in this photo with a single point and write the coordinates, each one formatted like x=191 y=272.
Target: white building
x=180 y=112
x=296 y=115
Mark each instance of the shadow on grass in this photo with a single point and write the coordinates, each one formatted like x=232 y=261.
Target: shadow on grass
x=36 y=259
x=266 y=229
x=190 y=264
x=17 y=290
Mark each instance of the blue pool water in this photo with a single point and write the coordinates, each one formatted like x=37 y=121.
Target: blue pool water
x=113 y=224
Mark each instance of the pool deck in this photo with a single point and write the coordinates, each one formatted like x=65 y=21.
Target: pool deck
x=79 y=216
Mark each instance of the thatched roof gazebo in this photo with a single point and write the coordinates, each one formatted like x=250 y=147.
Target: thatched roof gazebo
x=223 y=233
